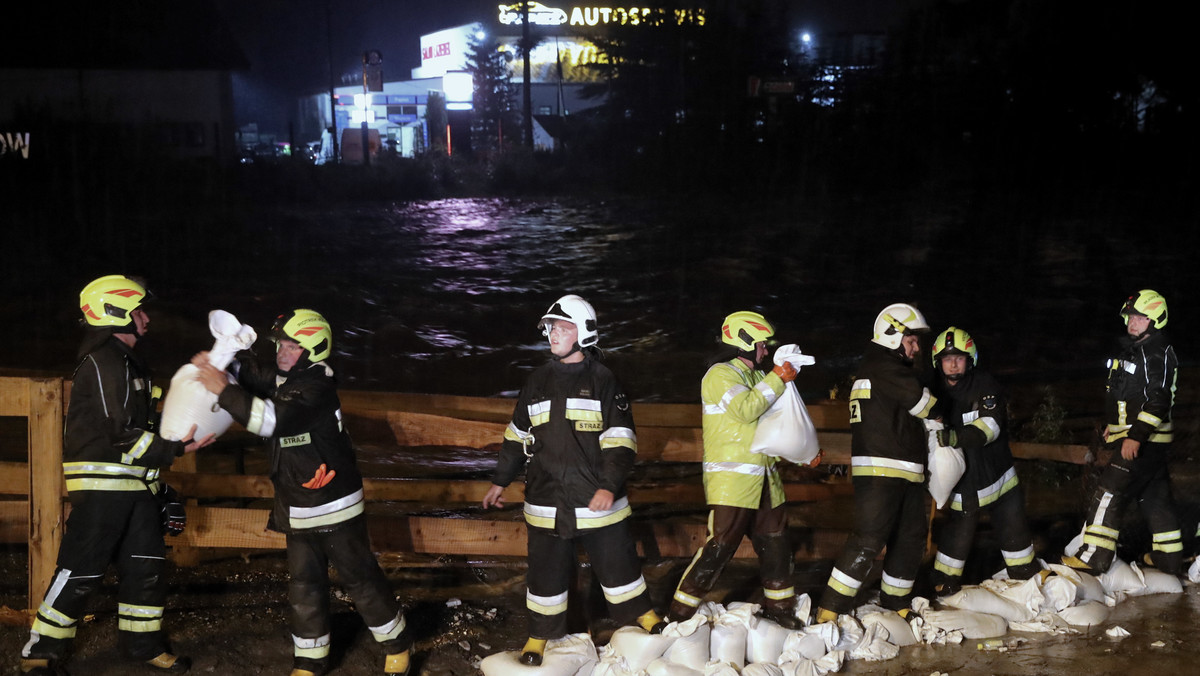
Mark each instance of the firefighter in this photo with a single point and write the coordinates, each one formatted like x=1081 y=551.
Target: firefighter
x=975 y=418
x=888 y=407
x=744 y=490
x=293 y=402
x=572 y=431
x=1139 y=395
x=111 y=461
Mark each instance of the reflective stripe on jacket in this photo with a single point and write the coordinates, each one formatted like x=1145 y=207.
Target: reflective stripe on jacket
x=734 y=396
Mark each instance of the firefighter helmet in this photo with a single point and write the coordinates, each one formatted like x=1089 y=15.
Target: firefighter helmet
x=1146 y=302
x=954 y=341
x=745 y=329
x=111 y=300
x=309 y=329
x=572 y=308
x=895 y=322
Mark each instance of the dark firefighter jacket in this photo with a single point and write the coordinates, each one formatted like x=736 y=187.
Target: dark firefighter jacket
x=302 y=416
x=1141 y=389
x=975 y=409
x=887 y=407
x=577 y=426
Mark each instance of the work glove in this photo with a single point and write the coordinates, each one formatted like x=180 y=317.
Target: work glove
x=791 y=354
x=785 y=371
x=321 y=478
x=947 y=437
x=174 y=514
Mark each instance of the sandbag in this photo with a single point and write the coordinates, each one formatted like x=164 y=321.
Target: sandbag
x=729 y=634
x=1086 y=614
x=897 y=627
x=1088 y=586
x=981 y=600
x=762 y=669
x=1157 y=582
x=969 y=623
x=829 y=663
x=691 y=646
x=1121 y=579
x=1059 y=592
x=946 y=465
x=785 y=430
x=187 y=402
x=571 y=655
x=665 y=667
x=810 y=643
x=873 y=646
x=764 y=641
x=637 y=647
x=1024 y=593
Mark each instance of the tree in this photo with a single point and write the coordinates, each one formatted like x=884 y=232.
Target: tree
x=494 y=119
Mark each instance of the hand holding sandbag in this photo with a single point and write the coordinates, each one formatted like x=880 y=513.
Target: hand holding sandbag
x=188 y=402
x=791 y=354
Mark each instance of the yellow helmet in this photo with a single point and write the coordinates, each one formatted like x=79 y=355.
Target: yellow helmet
x=1146 y=302
x=954 y=341
x=309 y=329
x=111 y=300
x=895 y=321
x=744 y=329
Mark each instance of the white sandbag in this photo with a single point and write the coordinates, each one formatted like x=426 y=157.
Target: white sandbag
x=897 y=627
x=187 y=402
x=971 y=624
x=1157 y=582
x=638 y=647
x=829 y=663
x=1025 y=593
x=874 y=646
x=1122 y=578
x=1088 y=586
x=1193 y=573
x=691 y=645
x=764 y=641
x=786 y=431
x=571 y=655
x=719 y=668
x=946 y=465
x=982 y=600
x=851 y=630
x=612 y=664
x=762 y=669
x=1086 y=614
x=1059 y=592
x=729 y=633
x=665 y=667
x=810 y=643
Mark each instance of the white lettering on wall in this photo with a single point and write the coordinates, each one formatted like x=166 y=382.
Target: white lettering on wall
x=15 y=143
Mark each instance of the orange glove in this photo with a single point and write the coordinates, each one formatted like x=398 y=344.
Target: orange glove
x=320 y=478
x=785 y=371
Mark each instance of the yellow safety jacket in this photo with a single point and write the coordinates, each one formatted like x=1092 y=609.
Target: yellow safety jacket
x=734 y=396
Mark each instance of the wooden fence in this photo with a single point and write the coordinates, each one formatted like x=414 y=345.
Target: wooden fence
x=666 y=433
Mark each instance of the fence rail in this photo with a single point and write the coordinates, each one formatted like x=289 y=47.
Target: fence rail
x=34 y=510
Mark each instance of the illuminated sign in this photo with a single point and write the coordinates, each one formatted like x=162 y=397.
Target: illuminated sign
x=541 y=15
x=15 y=143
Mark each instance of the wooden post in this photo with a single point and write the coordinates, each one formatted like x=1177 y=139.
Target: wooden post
x=179 y=552
x=45 y=482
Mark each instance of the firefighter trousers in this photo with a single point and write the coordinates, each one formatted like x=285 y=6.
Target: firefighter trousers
x=613 y=556
x=1146 y=479
x=766 y=527
x=889 y=512
x=110 y=527
x=348 y=549
x=958 y=532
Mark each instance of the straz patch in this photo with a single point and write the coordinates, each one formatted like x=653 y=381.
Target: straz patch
x=589 y=426
x=622 y=402
x=988 y=403
x=298 y=440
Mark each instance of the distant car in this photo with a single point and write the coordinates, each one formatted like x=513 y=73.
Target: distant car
x=539 y=15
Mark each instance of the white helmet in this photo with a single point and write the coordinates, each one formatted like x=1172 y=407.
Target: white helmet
x=576 y=310
x=895 y=321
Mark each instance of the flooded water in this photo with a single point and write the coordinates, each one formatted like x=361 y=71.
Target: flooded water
x=443 y=296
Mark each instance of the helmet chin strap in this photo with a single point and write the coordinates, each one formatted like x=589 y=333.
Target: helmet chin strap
x=574 y=348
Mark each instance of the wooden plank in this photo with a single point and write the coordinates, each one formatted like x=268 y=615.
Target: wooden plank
x=46 y=517
x=14 y=521
x=14 y=397
x=181 y=554
x=14 y=478
x=1079 y=455
x=228 y=527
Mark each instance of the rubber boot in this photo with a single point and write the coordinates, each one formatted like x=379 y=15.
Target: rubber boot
x=824 y=615
x=171 y=663
x=35 y=666
x=397 y=663
x=651 y=622
x=784 y=617
x=531 y=654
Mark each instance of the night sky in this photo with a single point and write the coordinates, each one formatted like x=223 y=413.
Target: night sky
x=286 y=41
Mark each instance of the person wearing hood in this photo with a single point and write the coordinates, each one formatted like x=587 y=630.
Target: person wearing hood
x=319 y=503
x=1139 y=395
x=572 y=432
x=112 y=457
x=888 y=409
